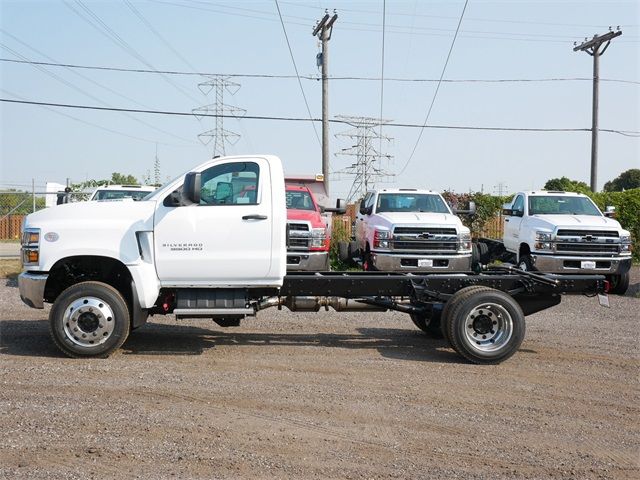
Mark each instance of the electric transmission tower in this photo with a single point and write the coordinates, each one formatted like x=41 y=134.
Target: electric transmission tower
x=219 y=84
x=367 y=168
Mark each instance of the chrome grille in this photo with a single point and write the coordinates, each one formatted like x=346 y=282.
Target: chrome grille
x=298 y=236
x=424 y=239
x=583 y=233
x=586 y=248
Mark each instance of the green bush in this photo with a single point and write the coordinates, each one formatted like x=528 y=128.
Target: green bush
x=627 y=205
x=339 y=233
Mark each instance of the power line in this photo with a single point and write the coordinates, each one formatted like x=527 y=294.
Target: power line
x=299 y=119
x=295 y=67
x=317 y=77
x=80 y=90
x=435 y=94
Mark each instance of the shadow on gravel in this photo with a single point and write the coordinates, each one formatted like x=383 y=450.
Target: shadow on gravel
x=160 y=339
x=27 y=338
x=32 y=338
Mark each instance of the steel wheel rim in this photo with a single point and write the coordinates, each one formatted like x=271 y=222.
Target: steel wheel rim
x=488 y=327
x=88 y=321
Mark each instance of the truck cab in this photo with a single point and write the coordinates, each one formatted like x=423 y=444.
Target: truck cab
x=308 y=236
x=565 y=232
x=410 y=230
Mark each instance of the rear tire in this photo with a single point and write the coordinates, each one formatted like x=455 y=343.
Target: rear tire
x=457 y=297
x=619 y=283
x=89 y=319
x=486 y=327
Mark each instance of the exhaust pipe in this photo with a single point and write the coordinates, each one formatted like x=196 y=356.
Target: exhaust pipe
x=314 y=304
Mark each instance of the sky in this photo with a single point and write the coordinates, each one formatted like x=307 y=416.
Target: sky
x=497 y=40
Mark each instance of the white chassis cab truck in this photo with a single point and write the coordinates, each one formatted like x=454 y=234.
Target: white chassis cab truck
x=200 y=248
x=562 y=232
x=411 y=230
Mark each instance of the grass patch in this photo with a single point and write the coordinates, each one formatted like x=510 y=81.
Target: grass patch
x=10 y=240
x=10 y=267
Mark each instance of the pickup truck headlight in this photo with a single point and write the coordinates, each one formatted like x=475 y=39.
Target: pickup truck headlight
x=544 y=236
x=318 y=237
x=381 y=238
x=625 y=244
x=464 y=241
x=625 y=238
x=544 y=241
x=30 y=242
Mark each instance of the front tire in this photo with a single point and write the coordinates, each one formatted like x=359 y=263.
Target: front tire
x=487 y=327
x=526 y=263
x=619 y=283
x=89 y=319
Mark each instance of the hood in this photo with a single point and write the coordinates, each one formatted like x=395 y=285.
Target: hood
x=94 y=216
x=434 y=219
x=585 y=222
x=311 y=216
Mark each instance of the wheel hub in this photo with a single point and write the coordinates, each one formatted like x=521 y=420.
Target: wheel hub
x=488 y=327
x=88 y=321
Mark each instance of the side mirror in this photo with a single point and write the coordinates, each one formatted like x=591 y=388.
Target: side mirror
x=610 y=211
x=362 y=209
x=192 y=186
x=341 y=207
x=471 y=211
x=322 y=209
x=507 y=212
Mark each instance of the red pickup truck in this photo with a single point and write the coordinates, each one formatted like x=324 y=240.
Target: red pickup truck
x=308 y=237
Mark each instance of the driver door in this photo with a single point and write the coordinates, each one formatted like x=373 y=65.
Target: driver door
x=512 y=225
x=226 y=239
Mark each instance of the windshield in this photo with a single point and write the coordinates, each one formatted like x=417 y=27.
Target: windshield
x=299 y=200
x=101 y=195
x=561 y=205
x=410 y=202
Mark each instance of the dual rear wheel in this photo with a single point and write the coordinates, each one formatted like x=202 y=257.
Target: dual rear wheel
x=482 y=324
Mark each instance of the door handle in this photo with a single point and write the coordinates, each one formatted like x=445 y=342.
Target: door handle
x=506 y=219
x=254 y=217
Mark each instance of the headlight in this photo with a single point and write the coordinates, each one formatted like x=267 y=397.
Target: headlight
x=625 y=238
x=544 y=236
x=381 y=238
x=464 y=241
x=317 y=237
x=30 y=246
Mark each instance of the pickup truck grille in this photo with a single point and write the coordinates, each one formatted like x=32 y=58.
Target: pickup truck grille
x=427 y=240
x=586 y=248
x=584 y=233
x=587 y=242
x=298 y=236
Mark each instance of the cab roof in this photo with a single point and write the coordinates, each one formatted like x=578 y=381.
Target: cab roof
x=552 y=192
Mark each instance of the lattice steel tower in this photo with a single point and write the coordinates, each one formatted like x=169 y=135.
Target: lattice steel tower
x=219 y=84
x=367 y=169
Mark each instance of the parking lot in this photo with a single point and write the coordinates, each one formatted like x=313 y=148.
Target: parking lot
x=329 y=395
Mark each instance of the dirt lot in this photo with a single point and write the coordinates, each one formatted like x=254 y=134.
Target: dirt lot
x=323 y=396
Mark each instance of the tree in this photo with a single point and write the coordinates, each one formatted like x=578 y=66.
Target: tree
x=625 y=181
x=565 y=184
x=121 y=179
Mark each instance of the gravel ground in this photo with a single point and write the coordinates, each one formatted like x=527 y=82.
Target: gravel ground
x=327 y=395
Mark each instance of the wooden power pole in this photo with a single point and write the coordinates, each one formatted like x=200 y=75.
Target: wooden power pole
x=323 y=31
x=592 y=47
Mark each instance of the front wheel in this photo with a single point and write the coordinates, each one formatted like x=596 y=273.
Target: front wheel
x=486 y=327
x=89 y=319
x=619 y=283
x=526 y=263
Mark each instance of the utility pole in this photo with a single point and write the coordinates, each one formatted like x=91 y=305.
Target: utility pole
x=592 y=47
x=323 y=30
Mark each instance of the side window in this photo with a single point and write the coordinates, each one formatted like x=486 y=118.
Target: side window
x=370 y=200
x=230 y=184
x=519 y=204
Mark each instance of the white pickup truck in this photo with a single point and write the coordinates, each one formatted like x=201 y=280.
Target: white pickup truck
x=410 y=229
x=562 y=232
x=200 y=247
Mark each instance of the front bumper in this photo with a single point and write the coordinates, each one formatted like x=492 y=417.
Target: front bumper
x=307 y=261
x=31 y=287
x=562 y=264
x=410 y=262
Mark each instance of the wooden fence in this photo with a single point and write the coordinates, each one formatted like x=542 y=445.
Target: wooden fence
x=10 y=227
